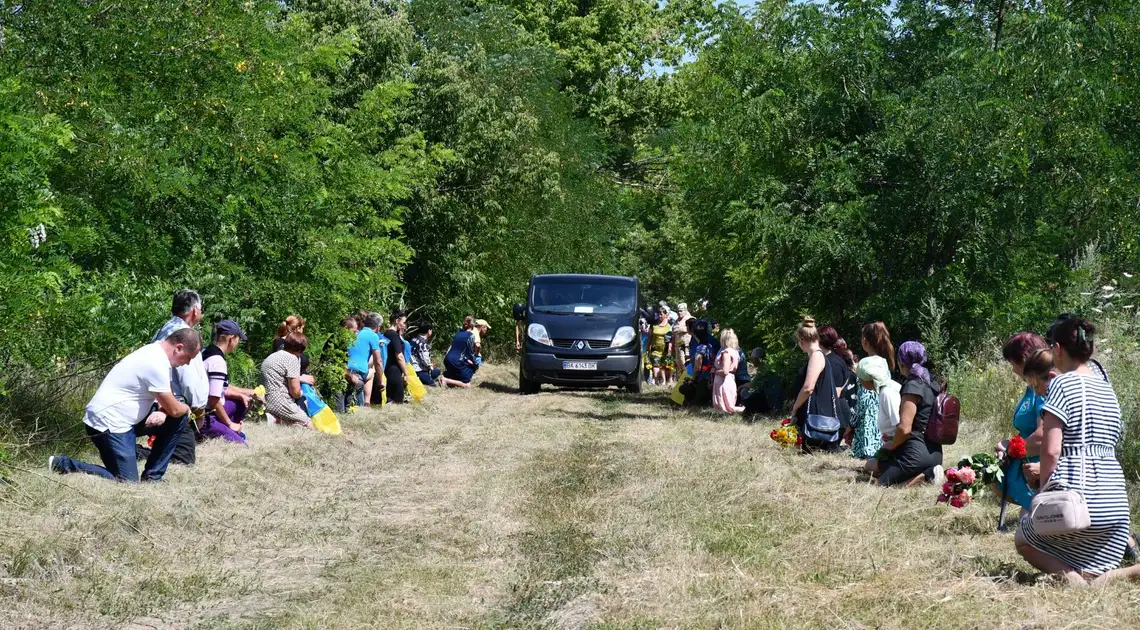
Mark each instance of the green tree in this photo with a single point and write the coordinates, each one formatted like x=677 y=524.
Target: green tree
x=857 y=159
x=211 y=151
x=523 y=194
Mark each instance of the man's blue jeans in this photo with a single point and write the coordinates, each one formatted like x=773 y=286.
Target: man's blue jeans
x=356 y=394
x=117 y=450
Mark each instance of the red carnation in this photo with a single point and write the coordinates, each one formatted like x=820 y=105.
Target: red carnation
x=772 y=434
x=786 y=422
x=947 y=488
x=1016 y=448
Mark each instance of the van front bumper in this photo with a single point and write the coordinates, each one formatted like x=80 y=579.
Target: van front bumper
x=549 y=368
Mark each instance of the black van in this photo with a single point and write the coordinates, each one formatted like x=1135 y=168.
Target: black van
x=580 y=331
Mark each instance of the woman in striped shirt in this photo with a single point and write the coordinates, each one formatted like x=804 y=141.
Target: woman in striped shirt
x=1081 y=423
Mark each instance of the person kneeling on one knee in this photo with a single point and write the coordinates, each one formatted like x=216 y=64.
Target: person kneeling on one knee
x=123 y=409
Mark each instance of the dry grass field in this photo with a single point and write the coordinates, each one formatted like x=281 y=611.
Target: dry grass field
x=484 y=509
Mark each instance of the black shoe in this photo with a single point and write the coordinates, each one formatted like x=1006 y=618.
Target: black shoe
x=1131 y=552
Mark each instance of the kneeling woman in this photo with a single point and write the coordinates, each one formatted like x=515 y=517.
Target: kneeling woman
x=228 y=404
x=1027 y=416
x=909 y=458
x=1081 y=424
x=877 y=412
x=461 y=361
x=817 y=390
x=281 y=375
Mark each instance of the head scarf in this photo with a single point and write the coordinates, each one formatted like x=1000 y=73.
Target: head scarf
x=913 y=355
x=875 y=370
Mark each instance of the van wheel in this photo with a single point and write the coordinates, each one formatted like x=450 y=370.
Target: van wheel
x=528 y=387
x=635 y=387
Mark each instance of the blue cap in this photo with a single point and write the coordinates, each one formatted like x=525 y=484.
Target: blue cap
x=229 y=327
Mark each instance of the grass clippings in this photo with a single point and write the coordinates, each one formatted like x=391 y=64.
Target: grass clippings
x=485 y=509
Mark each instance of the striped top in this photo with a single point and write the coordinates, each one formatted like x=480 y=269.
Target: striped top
x=1065 y=400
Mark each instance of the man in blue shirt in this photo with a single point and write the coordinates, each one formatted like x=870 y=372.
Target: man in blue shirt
x=364 y=355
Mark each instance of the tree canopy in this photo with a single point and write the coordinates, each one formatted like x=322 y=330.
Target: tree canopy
x=906 y=160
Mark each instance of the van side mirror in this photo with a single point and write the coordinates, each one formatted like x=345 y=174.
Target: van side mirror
x=519 y=312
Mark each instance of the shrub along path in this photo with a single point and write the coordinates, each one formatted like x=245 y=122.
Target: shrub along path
x=482 y=508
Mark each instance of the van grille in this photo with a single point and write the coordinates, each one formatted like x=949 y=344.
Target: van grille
x=594 y=344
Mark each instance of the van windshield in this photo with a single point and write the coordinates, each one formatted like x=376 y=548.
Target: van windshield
x=594 y=295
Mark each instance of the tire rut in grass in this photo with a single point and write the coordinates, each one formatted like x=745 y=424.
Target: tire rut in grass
x=559 y=550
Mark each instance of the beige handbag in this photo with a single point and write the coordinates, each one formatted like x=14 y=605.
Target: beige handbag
x=1057 y=511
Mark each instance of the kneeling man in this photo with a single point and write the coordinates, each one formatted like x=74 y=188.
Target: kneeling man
x=123 y=409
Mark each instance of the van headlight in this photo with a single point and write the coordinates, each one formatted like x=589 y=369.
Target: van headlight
x=538 y=333
x=623 y=337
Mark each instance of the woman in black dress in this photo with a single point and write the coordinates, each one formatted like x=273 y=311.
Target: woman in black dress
x=912 y=458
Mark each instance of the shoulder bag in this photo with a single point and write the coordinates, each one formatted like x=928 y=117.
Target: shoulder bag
x=1054 y=510
x=818 y=427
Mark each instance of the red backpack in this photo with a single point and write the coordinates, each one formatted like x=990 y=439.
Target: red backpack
x=942 y=427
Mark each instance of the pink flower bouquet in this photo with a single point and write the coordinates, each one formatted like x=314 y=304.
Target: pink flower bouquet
x=958 y=490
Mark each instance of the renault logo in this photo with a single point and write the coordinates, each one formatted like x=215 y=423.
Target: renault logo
x=580 y=345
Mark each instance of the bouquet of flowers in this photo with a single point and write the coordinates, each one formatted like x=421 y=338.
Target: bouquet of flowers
x=959 y=486
x=257 y=404
x=787 y=435
x=1016 y=449
x=970 y=479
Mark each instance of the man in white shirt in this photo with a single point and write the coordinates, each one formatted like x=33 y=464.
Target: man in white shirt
x=189 y=383
x=123 y=408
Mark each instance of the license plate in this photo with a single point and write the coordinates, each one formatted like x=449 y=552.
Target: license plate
x=579 y=365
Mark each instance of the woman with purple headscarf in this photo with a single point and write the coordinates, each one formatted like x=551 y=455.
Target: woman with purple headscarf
x=909 y=459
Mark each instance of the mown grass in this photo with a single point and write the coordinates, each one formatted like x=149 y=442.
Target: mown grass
x=483 y=509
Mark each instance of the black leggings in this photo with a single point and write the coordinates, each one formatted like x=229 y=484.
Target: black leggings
x=395 y=381
x=913 y=458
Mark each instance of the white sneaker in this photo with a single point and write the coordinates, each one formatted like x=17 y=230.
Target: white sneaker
x=939 y=475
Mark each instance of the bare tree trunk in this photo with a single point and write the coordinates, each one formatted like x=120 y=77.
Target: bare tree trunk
x=999 y=24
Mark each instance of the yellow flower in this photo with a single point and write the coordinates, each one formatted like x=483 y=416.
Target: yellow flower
x=241 y=66
x=259 y=390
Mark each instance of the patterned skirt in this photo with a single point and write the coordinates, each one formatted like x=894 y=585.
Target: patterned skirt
x=865 y=421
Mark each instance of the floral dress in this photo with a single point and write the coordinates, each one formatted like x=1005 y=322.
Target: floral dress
x=865 y=421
